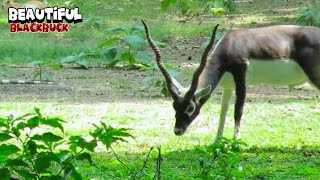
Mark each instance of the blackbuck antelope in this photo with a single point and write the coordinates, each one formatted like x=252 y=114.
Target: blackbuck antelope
x=277 y=55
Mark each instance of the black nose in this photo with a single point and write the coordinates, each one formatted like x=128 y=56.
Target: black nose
x=178 y=131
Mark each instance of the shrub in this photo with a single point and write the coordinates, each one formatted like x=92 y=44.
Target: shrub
x=31 y=149
x=221 y=160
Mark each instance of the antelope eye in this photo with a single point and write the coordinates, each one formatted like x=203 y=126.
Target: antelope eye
x=190 y=109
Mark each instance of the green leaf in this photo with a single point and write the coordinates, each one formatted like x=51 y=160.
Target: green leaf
x=84 y=63
x=126 y=56
x=78 y=141
x=135 y=41
x=184 y=7
x=143 y=57
x=91 y=145
x=137 y=29
x=56 y=66
x=33 y=122
x=166 y=3
x=50 y=156
x=218 y=4
x=110 y=53
x=97 y=132
x=47 y=138
x=5 y=173
x=75 y=142
x=100 y=21
x=7 y=150
x=88 y=53
x=37 y=110
x=85 y=156
x=112 y=135
x=126 y=28
x=69 y=59
x=160 y=83
x=24 y=116
x=121 y=132
x=76 y=175
x=48 y=76
x=15 y=131
x=16 y=163
x=71 y=171
x=26 y=174
x=64 y=155
x=150 y=67
x=4 y=137
x=112 y=64
x=165 y=92
x=112 y=30
x=54 y=122
x=108 y=42
x=36 y=63
x=32 y=147
x=42 y=163
x=217 y=11
x=3 y=122
x=66 y=158
x=231 y=6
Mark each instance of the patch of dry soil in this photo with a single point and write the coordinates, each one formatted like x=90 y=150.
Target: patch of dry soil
x=101 y=85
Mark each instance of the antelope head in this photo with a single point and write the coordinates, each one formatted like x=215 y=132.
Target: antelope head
x=186 y=103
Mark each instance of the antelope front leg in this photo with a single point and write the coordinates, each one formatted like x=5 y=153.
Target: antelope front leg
x=227 y=94
x=240 y=82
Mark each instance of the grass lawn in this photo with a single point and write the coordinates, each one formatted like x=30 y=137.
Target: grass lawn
x=281 y=128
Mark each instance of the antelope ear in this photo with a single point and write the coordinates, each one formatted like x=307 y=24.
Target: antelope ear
x=203 y=92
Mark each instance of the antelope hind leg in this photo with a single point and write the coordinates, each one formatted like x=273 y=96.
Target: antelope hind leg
x=226 y=99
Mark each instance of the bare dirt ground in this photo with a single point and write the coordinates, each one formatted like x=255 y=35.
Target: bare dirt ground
x=101 y=85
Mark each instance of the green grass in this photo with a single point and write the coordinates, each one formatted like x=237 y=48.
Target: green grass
x=277 y=133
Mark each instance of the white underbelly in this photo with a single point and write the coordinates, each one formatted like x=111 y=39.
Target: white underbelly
x=275 y=72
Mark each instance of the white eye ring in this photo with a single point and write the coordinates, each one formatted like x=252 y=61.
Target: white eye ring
x=191 y=108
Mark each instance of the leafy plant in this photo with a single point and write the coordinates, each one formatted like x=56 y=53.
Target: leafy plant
x=184 y=6
x=94 y=22
x=159 y=80
x=30 y=152
x=127 y=46
x=32 y=147
x=78 y=59
x=308 y=16
x=108 y=135
x=219 y=6
x=221 y=160
x=41 y=70
x=216 y=7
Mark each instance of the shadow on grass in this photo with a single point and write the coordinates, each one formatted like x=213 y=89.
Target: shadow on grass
x=258 y=163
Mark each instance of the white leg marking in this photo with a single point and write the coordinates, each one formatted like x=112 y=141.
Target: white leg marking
x=226 y=99
x=237 y=132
